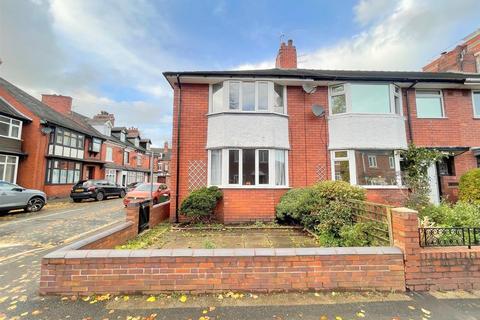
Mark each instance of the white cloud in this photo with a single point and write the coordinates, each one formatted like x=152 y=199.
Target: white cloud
x=407 y=36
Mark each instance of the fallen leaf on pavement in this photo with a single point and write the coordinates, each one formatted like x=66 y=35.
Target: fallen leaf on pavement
x=324 y=317
x=36 y=312
x=126 y=298
x=360 y=314
x=425 y=311
x=338 y=318
x=183 y=298
x=151 y=299
x=411 y=307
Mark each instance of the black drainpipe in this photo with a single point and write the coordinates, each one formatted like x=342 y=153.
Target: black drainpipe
x=177 y=182
x=409 y=116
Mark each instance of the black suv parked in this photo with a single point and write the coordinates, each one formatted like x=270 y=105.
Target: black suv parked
x=96 y=189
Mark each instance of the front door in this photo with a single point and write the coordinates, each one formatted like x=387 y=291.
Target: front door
x=124 y=179
x=90 y=172
x=434 y=190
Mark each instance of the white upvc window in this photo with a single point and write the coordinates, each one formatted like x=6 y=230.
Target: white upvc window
x=429 y=103
x=109 y=154
x=11 y=128
x=367 y=168
x=365 y=98
x=248 y=168
x=111 y=175
x=247 y=96
x=476 y=103
x=8 y=168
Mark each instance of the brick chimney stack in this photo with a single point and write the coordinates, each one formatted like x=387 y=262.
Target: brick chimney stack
x=165 y=147
x=133 y=132
x=62 y=104
x=105 y=116
x=287 y=56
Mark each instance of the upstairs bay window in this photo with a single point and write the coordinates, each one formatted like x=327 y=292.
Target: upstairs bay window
x=247 y=96
x=370 y=168
x=247 y=167
x=10 y=128
x=365 y=98
x=66 y=143
x=429 y=104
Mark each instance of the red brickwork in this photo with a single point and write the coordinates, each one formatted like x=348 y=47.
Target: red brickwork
x=287 y=56
x=447 y=268
x=395 y=197
x=210 y=270
x=62 y=104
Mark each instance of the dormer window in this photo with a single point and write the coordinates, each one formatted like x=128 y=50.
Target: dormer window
x=122 y=136
x=136 y=142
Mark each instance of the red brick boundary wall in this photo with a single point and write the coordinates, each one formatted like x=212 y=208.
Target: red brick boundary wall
x=443 y=268
x=85 y=272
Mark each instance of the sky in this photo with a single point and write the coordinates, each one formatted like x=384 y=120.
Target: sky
x=110 y=54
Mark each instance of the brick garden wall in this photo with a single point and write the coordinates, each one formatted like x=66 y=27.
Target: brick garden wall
x=446 y=268
x=210 y=270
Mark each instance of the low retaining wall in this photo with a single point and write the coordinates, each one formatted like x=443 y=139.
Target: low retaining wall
x=210 y=270
x=445 y=268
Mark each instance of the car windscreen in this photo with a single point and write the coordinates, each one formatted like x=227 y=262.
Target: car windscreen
x=84 y=184
x=146 y=187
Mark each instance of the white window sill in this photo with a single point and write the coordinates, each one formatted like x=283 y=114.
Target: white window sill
x=14 y=138
x=358 y=114
x=247 y=112
x=251 y=187
x=432 y=118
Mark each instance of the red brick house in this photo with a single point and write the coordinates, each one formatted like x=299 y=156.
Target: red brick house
x=258 y=133
x=164 y=156
x=59 y=147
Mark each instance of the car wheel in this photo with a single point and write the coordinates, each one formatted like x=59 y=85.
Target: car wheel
x=77 y=200
x=35 y=204
x=122 y=193
x=100 y=196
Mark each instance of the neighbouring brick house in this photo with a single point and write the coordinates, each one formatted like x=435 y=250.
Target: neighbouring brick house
x=258 y=133
x=164 y=156
x=60 y=147
x=11 y=123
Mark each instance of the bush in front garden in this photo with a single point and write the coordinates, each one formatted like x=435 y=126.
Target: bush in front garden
x=338 y=190
x=461 y=214
x=358 y=235
x=295 y=204
x=200 y=204
x=469 y=186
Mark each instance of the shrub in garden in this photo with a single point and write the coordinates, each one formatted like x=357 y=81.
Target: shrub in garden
x=200 y=204
x=461 y=214
x=338 y=190
x=358 y=235
x=295 y=204
x=469 y=186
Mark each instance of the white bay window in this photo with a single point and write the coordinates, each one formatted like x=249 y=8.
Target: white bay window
x=247 y=96
x=368 y=168
x=377 y=98
x=248 y=168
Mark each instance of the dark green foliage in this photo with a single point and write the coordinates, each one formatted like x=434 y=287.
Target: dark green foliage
x=461 y=214
x=200 y=204
x=469 y=187
x=358 y=235
x=321 y=209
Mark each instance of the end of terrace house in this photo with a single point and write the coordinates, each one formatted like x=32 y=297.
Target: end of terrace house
x=257 y=133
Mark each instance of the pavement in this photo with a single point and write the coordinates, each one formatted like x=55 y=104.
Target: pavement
x=26 y=238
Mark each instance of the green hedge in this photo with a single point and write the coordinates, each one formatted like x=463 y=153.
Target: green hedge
x=322 y=209
x=200 y=204
x=469 y=187
x=461 y=214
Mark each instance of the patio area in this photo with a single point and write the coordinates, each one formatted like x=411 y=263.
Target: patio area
x=166 y=237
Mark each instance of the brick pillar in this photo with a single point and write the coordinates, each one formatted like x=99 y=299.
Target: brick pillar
x=133 y=214
x=406 y=237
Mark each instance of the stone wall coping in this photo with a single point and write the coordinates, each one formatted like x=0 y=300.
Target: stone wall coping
x=136 y=204
x=242 y=252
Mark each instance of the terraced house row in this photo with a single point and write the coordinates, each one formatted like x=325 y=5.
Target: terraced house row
x=46 y=145
x=258 y=133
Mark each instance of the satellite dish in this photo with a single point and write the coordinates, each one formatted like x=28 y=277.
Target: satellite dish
x=318 y=110
x=309 y=88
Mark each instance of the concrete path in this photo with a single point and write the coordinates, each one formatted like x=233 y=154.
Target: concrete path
x=25 y=238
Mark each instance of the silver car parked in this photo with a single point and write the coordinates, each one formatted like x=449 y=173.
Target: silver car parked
x=13 y=196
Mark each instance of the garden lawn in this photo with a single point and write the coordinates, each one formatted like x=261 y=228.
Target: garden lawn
x=166 y=237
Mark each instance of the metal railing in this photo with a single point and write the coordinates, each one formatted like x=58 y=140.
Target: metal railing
x=379 y=214
x=449 y=237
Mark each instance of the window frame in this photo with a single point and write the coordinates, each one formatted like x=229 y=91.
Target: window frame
x=474 y=92
x=353 y=168
x=372 y=161
x=50 y=167
x=58 y=146
x=224 y=170
x=442 y=103
x=347 y=91
x=225 y=108
x=10 y=127
x=2 y=174
x=108 y=153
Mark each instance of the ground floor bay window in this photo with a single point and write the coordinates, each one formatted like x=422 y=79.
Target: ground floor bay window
x=248 y=168
x=8 y=168
x=63 y=171
x=369 y=168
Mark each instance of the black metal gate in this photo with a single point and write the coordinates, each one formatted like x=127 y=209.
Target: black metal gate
x=143 y=216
